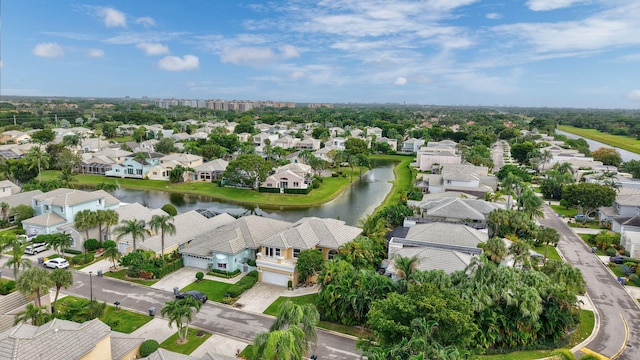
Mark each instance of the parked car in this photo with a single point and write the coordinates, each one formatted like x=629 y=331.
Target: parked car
x=618 y=259
x=56 y=263
x=194 y=294
x=35 y=248
x=582 y=217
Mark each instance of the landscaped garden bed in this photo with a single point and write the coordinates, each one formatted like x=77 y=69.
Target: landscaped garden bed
x=195 y=338
x=121 y=320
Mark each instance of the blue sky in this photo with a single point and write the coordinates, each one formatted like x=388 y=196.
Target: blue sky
x=556 y=53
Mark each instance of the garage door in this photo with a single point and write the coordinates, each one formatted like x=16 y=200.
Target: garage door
x=197 y=262
x=275 y=278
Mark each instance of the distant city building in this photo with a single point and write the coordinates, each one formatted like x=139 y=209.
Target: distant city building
x=228 y=105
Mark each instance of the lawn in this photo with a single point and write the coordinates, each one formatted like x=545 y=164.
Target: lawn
x=571 y=212
x=331 y=187
x=122 y=275
x=551 y=254
x=311 y=299
x=404 y=178
x=214 y=290
x=624 y=142
x=120 y=320
x=587 y=322
x=519 y=355
x=589 y=224
x=195 y=338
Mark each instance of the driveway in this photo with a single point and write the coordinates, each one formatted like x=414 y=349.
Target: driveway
x=618 y=314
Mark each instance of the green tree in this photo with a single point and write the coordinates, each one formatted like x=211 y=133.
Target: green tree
x=521 y=152
x=632 y=167
x=354 y=146
x=62 y=278
x=588 y=197
x=551 y=186
x=247 y=170
x=363 y=252
x=85 y=220
x=362 y=161
x=140 y=134
x=309 y=263
x=164 y=224
x=36 y=158
x=36 y=315
x=43 y=136
x=165 y=146
x=22 y=212
x=9 y=241
x=531 y=204
x=59 y=241
x=4 y=209
x=495 y=250
x=547 y=236
x=34 y=283
x=135 y=228
x=113 y=254
x=180 y=312
x=608 y=156
x=71 y=141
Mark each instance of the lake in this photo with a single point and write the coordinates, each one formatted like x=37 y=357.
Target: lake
x=358 y=201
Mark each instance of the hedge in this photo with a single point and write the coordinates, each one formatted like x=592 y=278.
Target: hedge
x=148 y=347
x=82 y=259
x=218 y=272
x=268 y=189
x=72 y=251
x=6 y=286
x=159 y=273
x=243 y=284
x=298 y=191
x=91 y=244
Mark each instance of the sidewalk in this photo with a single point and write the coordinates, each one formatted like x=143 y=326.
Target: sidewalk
x=185 y=276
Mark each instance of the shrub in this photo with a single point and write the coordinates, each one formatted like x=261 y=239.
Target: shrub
x=147 y=347
x=91 y=244
x=6 y=286
x=243 y=285
x=72 y=251
x=82 y=259
x=170 y=209
x=224 y=273
x=627 y=270
x=635 y=279
x=315 y=183
x=611 y=251
x=199 y=275
x=335 y=174
x=251 y=262
x=563 y=354
x=108 y=244
x=589 y=357
x=133 y=272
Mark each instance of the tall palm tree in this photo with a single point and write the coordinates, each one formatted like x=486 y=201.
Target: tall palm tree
x=111 y=218
x=38 y=159
x=564 y=168
x=60 y=241
x=62 y=278
x=519 y=251
x=36 y=315
x=508 y=186
x=112 y=253
x=531 y=204
x=4 y=208
x=34 y=283
x=9 y=241
x=495 y=249
x=181 y=313
x=547 y=236
x=84 y=221
x=136 y=228
x=405 y=266
x=306 y=317
x=164 y=224
x=545 y=156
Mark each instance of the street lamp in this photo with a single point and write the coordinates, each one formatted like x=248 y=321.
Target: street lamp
x=91 y=286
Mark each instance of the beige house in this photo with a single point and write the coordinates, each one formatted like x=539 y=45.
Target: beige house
x=15 y=136
x=278 y=254
x=211 y=170
x=7 y=188
x=91 y=340
x=170 y=162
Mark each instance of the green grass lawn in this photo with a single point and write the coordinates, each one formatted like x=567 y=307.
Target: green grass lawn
x=590 y=224
x=122 y=275
x=195 y=338
x=214 y=290
x=587 y=322
x=571 y=212
x=247 y=352
x=120 y=320
x=551 y=254
x=519 y=355
x=404 y=178
x=624 y=142
x=311 y=299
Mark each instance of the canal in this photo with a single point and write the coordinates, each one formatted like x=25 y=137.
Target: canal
x=593 y=145
x=355 y=203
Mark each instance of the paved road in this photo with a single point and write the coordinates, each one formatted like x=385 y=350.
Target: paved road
x=619 y=314
x=212 y=317
x=497 y=152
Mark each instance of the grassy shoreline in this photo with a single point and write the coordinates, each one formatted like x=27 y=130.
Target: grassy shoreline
x=331 y=188
x=623 y=142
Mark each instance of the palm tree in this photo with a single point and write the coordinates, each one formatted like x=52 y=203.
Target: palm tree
x=34 y=283
x=61 y=278
x=9 y=241
x=67 y=177
x=38 y=159
x=85 y=220
x=519 y=251
x=531 y=204
x=36 y=315
x=306 y=317
x=136 y=228
x=547 y=236
x=495 y=249
x=4 y=208
x=164 y=223
x=405 y=266
x=60 y=241
x=108 y=187
x=564 y=168
x=110 y=218
x=112 y=253
x=509 y=185
x=545 y=156
x=181 y=313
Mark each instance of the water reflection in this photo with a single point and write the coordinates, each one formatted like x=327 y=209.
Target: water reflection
x=353 y=204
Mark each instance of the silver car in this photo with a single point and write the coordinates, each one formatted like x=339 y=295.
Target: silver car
x=56 y=263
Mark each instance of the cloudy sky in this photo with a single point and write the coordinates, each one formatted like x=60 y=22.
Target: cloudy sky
x=556 y=53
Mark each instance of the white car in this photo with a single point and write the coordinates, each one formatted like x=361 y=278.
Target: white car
x=56 y=263
x=35 y=248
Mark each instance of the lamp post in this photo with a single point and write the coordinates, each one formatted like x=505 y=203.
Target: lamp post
x=91 y=286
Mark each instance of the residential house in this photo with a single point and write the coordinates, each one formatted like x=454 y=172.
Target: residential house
x=162 y=170
x=393 y=143
x=211 y=170
x=286 y=179
x=309 y=144
x=278 y=254
x=429 y=156
x=91 y=340
x=286 y=142
x=259 y=140
x=323 y=153
x=411 y=145
x=371 y=131
x=336 y=131
x=357 y=133
x=432 y=259
x=473 y=213
x=15 y=137
x=15 y=302
x=163 y=354
x=630 y=236
x=7 y=188
x=338 y=143
x=134 y=166
x=56 y=210
x=625 y=206
x=469 y=179
x=230 y=246
x=23 y=198
x=244 y=137
x=92 y=145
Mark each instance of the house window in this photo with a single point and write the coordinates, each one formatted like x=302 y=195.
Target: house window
x=271 y=252
x=155 y=173
x=222 y=266
x=46 y=207
x=139 y=171
x=296 y=252
x=332 y=253
x=296 y=184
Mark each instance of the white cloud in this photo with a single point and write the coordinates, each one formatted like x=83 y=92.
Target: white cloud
x=146 y=37
x=176 y=63
x=153 y=48
x=493 y=16
x=256 y=56
x=545 y=5
x=95 y=53
x=48 y=50
x=634 y=95
x=112 y=17
x=400 y=81
x=146 y=21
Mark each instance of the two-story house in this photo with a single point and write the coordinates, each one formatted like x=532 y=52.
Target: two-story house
x=169 y=162
x=411 y=145
x=136 y=167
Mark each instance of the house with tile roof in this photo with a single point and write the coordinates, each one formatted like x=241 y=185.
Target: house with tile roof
x=467 y=178
x=8 y=188
x=135 y=167
x=163 y=354
x=91 y=340
x=211 y=170
x=429 y=156
x=278 y=254
x=56 y=210
x=454 y=209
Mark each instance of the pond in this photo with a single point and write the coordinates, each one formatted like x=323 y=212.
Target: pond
x=358 y=201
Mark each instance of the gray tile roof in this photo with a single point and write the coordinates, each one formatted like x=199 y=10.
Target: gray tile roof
x=68 y=197
x=446 y=233
x=23 y=198
x=213 y=165
x=47 y=219
x=66 y=339
x=310 y=232
x=434 y=259
x=162 y=354
x=122 y=344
